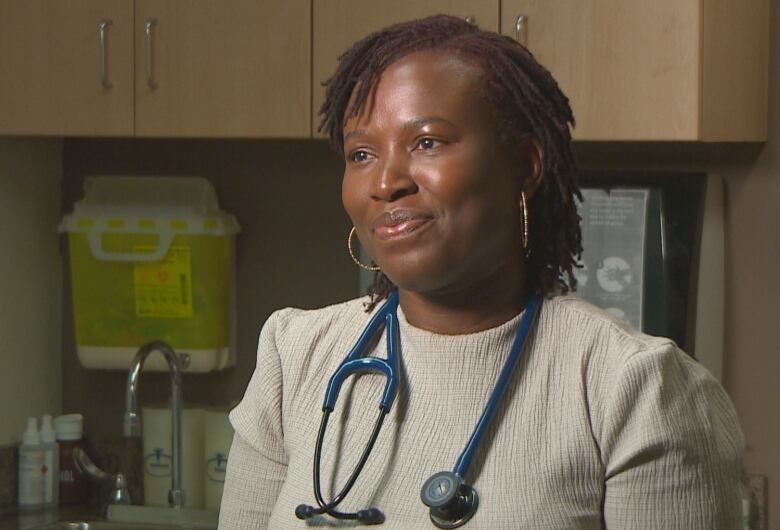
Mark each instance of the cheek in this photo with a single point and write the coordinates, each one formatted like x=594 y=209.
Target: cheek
x=483 y=208
x=473 y=188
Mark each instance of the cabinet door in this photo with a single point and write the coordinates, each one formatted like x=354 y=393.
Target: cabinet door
x=630 y=68
x=57 y=76
x=340 y=23
x=233 y=68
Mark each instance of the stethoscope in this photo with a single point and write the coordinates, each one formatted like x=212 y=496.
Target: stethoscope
x=451 y=501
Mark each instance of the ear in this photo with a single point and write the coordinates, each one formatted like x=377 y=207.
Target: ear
x=533 y=159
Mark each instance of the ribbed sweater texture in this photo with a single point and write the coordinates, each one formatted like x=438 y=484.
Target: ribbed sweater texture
x=601 y=427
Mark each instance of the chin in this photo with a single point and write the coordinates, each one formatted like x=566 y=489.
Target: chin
x=416 y=277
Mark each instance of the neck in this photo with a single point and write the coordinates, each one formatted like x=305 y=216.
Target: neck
x=479 y=307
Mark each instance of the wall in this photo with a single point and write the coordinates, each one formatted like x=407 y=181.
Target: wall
x=30 y=341
x=752 y=317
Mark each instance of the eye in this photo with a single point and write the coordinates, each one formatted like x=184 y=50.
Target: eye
x=359 y=155
x=426 y=144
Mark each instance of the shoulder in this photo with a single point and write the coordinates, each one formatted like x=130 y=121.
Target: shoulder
x=598 y=334
x=291 y=326
x=624 y=370
x=641 y=387
x=608 y=346
x=307 y=342
x=289 y=340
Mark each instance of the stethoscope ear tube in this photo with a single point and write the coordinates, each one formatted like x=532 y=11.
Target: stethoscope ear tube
x=370 y=516
x=353 y=364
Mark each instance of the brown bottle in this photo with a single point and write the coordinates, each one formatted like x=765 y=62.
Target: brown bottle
x=74 y=485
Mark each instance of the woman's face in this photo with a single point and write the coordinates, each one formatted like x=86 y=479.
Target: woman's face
x=432 y=192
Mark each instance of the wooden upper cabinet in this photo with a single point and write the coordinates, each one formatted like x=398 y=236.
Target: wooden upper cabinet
x=660 y=70
x=57 y=76
x=233 y=68
x=340 y=23
x=680 y=70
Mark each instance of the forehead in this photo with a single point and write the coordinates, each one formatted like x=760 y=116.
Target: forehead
x=423 y=83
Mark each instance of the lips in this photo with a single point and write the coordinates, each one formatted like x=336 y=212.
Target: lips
x=399 y=223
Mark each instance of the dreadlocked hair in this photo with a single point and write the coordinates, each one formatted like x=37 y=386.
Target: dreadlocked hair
x=526 y=102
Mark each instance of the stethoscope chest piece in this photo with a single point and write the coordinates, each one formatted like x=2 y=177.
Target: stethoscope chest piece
x=451 y=502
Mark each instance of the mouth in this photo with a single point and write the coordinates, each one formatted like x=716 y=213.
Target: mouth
x=399 y=223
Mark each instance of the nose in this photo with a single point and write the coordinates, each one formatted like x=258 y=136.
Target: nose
x=394 y=179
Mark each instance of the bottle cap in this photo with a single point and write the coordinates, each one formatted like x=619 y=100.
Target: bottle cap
x=31 y=436
x=69 y=426
x=47 y=429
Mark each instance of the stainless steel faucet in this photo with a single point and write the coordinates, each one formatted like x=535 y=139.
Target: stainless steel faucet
x=132 y=424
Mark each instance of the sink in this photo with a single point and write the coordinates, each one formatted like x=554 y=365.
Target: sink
x=138 y=518
x=103 y=525
x=159 y=517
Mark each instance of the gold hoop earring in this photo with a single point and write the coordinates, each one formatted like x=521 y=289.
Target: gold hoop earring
x=524 y=205
x=354 y=257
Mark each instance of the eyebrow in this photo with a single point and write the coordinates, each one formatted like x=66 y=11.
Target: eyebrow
x=423 y=121
x=414 y=123
x=354 y=134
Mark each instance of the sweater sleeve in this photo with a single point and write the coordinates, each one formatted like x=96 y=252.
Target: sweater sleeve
x=257 y=463
x=671 y=445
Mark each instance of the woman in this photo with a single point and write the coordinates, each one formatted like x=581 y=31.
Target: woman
x=461 y=185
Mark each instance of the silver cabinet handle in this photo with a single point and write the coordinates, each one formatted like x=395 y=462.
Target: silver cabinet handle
x=471 y=19
x=150 y=23
x=103 y=31
x=521 y=30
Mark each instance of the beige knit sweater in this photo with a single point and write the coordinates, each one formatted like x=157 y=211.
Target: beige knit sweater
x=602 y=427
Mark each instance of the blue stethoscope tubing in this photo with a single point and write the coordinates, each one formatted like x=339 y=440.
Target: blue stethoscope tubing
x=515 y=354
x=356 y=363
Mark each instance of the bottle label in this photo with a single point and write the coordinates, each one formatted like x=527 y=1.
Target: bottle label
x=73 y=486
x=49 y=477
x=31 y=464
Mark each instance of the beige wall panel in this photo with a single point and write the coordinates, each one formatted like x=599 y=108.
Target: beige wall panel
x=630 y=69
x=30 y=283
x=340 y=23
x=50 y=68
x=236 y=68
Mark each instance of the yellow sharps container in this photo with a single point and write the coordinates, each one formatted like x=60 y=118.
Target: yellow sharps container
x=152 y=258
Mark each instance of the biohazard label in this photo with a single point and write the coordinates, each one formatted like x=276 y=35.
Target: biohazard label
x=163 y=289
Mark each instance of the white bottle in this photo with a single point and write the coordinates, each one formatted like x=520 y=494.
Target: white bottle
x=51 y=460
x=31 y=462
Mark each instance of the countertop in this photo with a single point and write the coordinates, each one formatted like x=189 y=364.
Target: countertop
x=12 y=519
